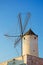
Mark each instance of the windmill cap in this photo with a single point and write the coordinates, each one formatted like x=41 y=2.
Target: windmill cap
x=30 y=32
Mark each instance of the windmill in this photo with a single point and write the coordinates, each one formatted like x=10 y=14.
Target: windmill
x=22 y=29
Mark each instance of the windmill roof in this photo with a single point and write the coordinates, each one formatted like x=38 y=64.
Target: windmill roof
x=30 y=32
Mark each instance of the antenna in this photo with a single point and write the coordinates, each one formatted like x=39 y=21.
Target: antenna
x=22 y=29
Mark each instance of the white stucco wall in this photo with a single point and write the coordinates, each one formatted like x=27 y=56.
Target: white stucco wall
x=30 y=45
x=16 y=61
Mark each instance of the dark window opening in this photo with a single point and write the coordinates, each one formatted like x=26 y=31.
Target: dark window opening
x=33 y=50
x=24 y=38
x=34 y=37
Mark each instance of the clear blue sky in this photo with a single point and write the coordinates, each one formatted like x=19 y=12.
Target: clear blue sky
x=9 y=10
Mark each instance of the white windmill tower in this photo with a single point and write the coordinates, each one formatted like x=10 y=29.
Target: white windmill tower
x=29 y=40
x=30 y=43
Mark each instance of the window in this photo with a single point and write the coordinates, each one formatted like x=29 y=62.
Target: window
x=33 y=50
x=24 y=38
x=34 y=37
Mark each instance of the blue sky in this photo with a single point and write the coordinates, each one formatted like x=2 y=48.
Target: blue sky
x=9 y=10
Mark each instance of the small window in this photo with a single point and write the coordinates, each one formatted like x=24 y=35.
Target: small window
x=34 y=37
x=24 y=38
x=33 y=50
x=13 y=59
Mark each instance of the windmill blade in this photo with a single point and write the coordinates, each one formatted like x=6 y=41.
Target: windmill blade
x=26 y=21
x=17 y=51
x=20 y=22
x=11 y=36
x=17 y=41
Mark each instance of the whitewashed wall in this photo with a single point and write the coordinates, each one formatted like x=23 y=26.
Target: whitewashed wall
x=30 y=45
